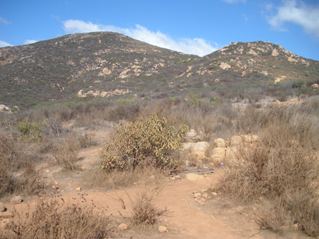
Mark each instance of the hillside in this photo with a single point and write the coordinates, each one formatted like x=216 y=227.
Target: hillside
x=105 y=64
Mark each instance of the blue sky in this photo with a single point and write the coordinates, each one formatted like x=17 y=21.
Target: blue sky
x=190 y=26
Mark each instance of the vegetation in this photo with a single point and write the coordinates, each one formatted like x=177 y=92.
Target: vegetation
x=283 y=169
x=147 y=141
x=53 y=219
x=144 y=211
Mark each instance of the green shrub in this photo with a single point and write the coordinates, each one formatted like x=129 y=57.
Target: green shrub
x=30 y=130
x=151 y=140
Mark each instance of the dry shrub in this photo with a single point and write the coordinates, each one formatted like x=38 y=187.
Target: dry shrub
x=86 y=141
x=66 y=153
x=7 y=154
x=272 y=216
x=52 y=219
x=146 y=141
x=12 y=160
x=30 y=130
x=279 y=168
x=144 y=212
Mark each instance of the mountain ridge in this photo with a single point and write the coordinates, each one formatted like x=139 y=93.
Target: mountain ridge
x=107 y=64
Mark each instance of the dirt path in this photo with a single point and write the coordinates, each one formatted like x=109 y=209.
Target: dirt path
x=186 y=218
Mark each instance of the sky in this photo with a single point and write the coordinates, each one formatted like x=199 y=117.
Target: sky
x=190 y=26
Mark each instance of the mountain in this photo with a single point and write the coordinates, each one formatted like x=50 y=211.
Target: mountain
x=106 y=64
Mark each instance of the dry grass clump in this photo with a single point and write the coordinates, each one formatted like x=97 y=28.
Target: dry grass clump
x=144 y=212
x=7 y=153
x=28 y=182
x=29 y=130
x=52 y=219
x=66 y=153
x=280 y=168
x=147 y=141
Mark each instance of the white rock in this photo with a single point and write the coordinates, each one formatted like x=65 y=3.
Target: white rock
x=162 y=229
x=224 y=66
x=4 y=108
x=123 y=227
x=197 y=195
x=315 y=86
x=78 y=189
x=275 y=52
x=191 y=135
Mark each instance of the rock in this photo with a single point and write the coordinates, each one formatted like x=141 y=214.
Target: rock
x=224 y=66
x=162 y=229
x=17 y=199
x=275 y=52
x=205 y=195
x=123 y=227
x=219 y=142
x=315 y=86
x=197 y=195
x=4 y=108
x=2 y=207
x=191 y=135
x=78 y=189
x=252 y=52
x=193 y=177
x=214 y=194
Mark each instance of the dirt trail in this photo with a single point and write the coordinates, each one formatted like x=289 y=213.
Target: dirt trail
x=186 y=218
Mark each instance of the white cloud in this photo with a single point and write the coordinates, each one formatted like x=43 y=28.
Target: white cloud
x=292 y=11
x=196 y=46
x=234 y=1
x=4 y=44
x=26 y=42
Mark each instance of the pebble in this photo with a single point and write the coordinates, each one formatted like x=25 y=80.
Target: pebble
x=162 y=229
x=123 y=227
x=78 y=189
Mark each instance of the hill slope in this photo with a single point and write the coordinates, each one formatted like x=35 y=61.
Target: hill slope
x=109 y=64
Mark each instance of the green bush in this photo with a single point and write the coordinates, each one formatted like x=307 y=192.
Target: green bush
x=151 y=141
x=29 y=130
